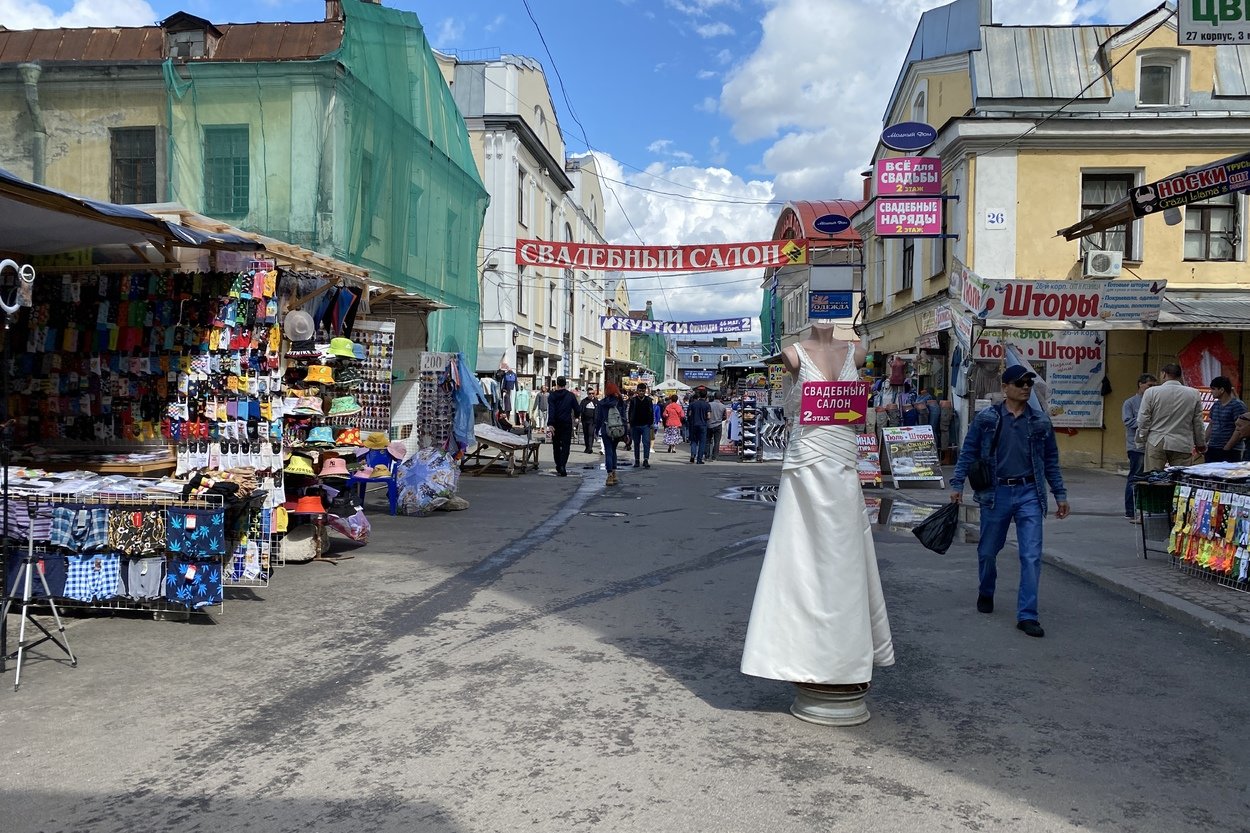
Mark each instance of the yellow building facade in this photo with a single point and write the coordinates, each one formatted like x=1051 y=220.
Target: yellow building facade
x=1018 y=164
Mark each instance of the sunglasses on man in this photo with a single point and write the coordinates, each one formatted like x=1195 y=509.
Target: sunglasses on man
x=1023 y=383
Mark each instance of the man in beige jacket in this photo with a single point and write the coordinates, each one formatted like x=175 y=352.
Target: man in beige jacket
x=1169 y=423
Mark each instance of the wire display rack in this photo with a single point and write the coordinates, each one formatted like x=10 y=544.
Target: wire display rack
x=1209 y=536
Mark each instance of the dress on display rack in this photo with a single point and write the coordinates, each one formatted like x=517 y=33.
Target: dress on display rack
x=819 y=614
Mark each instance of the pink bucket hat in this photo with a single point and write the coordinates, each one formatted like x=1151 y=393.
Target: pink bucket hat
x=397 y=450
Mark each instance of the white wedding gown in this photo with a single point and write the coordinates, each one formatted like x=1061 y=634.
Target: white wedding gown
x=819 y=614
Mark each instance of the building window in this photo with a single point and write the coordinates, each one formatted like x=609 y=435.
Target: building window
x=1097 y=192
x=724 y=357
x=133 y=151
x=551 y=223
x=551 y=303
x=1212 y=229
x=227 y=171
x=909 y=263
x=694 y=357
x=918 y=109
x=1161 y=79
x=522 y=215
x=520 y=290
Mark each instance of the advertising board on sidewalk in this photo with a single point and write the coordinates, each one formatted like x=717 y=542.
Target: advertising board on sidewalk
x=912 y=453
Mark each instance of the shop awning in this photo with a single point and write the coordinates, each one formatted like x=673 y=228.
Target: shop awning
x=39 y=220
x=1206 y=309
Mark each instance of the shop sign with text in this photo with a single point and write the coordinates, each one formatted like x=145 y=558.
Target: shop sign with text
x=1071 y=300
x=1191 y=186
x=701 y=258
x=1071 y=363
x=897 y=217
x=676 y=328
x=916 y=176
x=1212 y=22
x=830 y=305
x=833 y=403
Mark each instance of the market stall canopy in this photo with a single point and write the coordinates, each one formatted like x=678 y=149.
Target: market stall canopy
x=38 y=220
x=1227 y=309
x=672 y=384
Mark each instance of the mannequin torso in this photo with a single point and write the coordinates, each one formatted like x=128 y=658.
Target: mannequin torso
x=826 y=352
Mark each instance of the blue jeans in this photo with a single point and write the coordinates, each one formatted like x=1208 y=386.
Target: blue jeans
x=1021 y=504
x=641 y=435
x=609 y=453
x=1135 y=459
x=698 y=442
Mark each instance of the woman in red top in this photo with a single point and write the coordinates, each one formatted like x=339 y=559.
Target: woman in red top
x=673 y=416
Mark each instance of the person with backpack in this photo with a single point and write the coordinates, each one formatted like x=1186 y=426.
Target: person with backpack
x=641 y=412
x=610 y=425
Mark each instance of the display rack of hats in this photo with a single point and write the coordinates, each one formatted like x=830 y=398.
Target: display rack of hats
x=321 y=440
x=750 y=415
x=190 y=359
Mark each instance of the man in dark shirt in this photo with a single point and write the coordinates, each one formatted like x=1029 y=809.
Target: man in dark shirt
x=1019 y=443
x=589 y=405
x=697 y=419
x=641 y=411
x=562 y=409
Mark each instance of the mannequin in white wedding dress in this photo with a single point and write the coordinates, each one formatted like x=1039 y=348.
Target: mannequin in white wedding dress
x=819 y=617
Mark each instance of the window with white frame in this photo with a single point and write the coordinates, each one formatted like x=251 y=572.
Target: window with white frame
x=1161 y=79
x=919 y=107
x=694 y=357
x=909 y=263
x=878 y=271
x=1212 y=229
x=520 y=290
x=551 y=303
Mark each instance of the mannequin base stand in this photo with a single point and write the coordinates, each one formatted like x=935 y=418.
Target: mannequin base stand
x=831 y=705
x=26 y=574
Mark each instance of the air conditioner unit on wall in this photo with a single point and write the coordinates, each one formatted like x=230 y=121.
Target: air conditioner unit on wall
x=1103 y=264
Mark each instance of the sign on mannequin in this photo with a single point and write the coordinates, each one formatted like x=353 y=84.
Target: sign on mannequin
x=834 y=403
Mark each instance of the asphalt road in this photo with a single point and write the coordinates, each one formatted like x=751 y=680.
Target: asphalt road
x=558 y=658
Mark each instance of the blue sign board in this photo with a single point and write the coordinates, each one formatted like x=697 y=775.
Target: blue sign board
x=831 y=223
x=830 y=305
x=699 y=374
x=908 y=136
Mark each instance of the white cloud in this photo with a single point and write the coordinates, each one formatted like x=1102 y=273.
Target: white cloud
x=497 y=23
x=450 y=31
x=714 y=30
x=705 y=74
x=707 y=105
x=27 y=14
x=661 y=219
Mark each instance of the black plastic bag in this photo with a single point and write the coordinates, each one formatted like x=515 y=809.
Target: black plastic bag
x=937 y=532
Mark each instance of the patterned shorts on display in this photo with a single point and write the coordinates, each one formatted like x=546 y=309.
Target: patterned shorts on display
x=193 y=584
x=194 y=532
x=90 y=578
x=136 y=532
x=80 y=528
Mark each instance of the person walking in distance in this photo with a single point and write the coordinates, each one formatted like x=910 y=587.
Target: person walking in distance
x=697 y=420
x=674 y=416
x=1169 y=423
x=1221 y=423
x=611 y=424
x=562 y=409
x=641 y=410
x=589 y=405
x=540 y=407
x=1010 y=450
x=1136 y=451
x=715 y=424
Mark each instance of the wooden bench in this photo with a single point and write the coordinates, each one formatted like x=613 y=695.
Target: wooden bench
x=516 y=453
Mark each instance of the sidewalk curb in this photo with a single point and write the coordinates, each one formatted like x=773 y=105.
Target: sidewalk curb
x=1160 y=601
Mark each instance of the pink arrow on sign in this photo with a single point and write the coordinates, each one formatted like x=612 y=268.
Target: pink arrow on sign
x=834 y=403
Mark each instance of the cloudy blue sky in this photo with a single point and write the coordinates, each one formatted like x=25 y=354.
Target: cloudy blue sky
x=711 y=113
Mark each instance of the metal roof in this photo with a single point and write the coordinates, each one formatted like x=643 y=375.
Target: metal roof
x=1054 y=62
x=808 y=210
x=1226 y=308
x=1232 y=70
x=239 y=42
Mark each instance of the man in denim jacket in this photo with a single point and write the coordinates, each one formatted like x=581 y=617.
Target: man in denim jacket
x=1024 y=459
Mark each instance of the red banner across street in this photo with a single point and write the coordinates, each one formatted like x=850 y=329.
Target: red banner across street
x=699 y=258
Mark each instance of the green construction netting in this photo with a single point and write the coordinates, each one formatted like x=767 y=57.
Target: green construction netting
x=771 y=310
x=361 y=155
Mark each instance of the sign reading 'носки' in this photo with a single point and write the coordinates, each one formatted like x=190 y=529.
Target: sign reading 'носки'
x=701 y=258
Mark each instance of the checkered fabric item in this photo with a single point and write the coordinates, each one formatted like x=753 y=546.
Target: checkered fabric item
x=79 y=528
x=92 y=577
